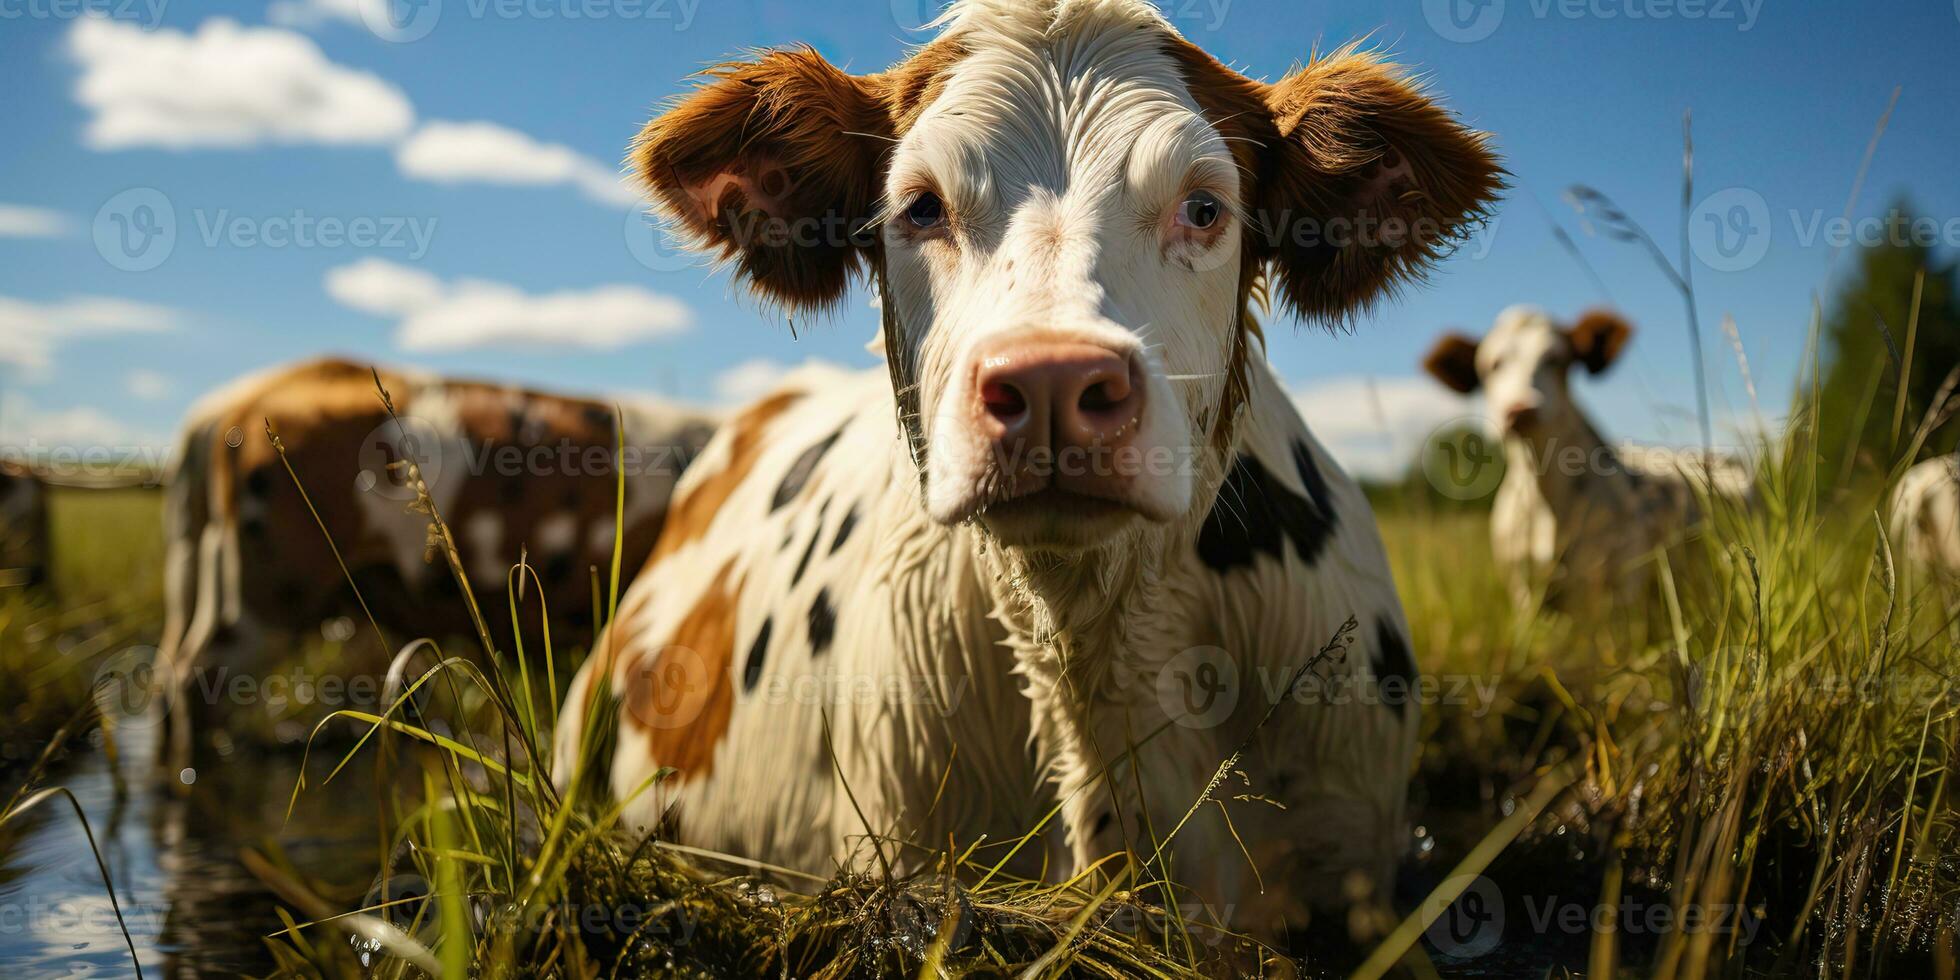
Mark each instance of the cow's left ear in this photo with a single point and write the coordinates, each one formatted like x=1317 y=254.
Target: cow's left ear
x=1598 y=338
x=1369 y=182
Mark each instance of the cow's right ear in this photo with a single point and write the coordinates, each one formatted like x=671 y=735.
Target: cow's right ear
x=1453 y=361
x=774 y=164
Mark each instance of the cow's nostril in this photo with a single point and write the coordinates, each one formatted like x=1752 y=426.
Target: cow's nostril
x=1096 y=397
x=1004 y=401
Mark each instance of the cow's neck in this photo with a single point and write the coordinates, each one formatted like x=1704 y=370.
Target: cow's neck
x=1572 y=468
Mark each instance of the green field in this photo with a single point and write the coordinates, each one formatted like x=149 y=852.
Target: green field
x=1766 y=748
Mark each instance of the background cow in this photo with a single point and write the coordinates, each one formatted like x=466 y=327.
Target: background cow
x=1926 y=516
x=1077 y=517
x=1576 y=521
x=513 y=473
x=23 y=527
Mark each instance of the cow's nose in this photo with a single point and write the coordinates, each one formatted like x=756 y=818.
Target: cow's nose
x=1058 y=393
x=1519 y=418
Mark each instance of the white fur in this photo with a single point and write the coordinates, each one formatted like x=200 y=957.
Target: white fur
x=1926 y=516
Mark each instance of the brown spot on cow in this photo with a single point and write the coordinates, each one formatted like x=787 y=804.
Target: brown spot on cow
x=694 y=510
x=683 y=694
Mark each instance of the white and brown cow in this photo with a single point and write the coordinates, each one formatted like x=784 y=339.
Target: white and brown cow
x=1926 y=517
x=1576 y=522
x=514 y=473
x=23 y=527
x=1075 y=527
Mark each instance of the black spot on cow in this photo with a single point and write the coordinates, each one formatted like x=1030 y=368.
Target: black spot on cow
x=1395 y=667
x=258 y=483
x=804 y=562
x=844 y=528
x=1256 y=514
x=598 y=420
x=557 y=568
x=1102 y=822
x=823 y=623
x=569 y=501
x=511 y=491
x=752 y=671
x=800 y=471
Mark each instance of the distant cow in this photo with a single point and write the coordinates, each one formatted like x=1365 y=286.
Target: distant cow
x=23 y=527
x=512 y=472
x=1926 y=516
x=1072 y=546
x=1576 y=520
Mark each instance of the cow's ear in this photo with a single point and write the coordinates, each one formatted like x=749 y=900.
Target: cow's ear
x=774 y=164
x=1369 y=183
x=1598 y=338
x=1453 y=361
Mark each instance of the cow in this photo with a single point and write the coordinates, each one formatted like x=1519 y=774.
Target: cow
x=23 y=526
x=257 y=555
x=1576 y=523
x=1072 y=546
x=1926 y=517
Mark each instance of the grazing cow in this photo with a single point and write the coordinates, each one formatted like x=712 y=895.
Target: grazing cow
x=1926 y=516
x=23 y=526
x=1075 y=528
x=1576 y=521
x=512 y=472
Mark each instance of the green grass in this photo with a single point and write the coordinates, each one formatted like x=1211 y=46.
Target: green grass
x=1774 y=734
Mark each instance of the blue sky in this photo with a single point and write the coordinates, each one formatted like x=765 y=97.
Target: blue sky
x=470 y=159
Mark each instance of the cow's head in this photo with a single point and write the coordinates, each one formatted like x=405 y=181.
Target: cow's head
x=1067 y=207
x=23 y=525
x=1522 y=365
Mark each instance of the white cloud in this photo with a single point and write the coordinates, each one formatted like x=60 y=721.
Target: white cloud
x=485 y=152
x=29 y=332
x=148 y=385
x=226 y=85
x=1374 y=426
x=751 y=379
x=308 y=14
x=383 y=288
x=26 y=221
x=474 y=313
x=25 y=425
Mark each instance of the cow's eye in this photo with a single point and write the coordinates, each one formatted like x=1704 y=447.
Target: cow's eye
x=1199 y=211
x=926 y=211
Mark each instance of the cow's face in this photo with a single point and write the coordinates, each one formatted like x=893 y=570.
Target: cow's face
x=1068 y=207
x=23 y=524
x=1523 y=364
